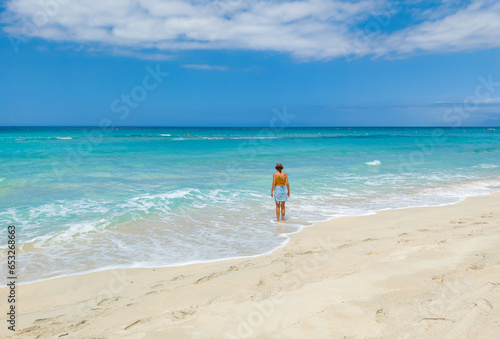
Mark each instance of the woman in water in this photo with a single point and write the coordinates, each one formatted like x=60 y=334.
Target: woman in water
x=280 y=179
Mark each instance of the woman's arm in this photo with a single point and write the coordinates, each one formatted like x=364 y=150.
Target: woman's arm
x=287 y=185
x=274 y=184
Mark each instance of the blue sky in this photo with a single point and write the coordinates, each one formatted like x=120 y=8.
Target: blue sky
x=231 y=63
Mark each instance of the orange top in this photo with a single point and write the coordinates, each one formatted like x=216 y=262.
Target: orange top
x=280 y=180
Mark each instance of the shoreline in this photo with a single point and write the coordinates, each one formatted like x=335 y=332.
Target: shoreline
x=284 y=243
x=423 y=270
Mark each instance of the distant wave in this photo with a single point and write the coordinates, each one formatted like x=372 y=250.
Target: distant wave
x=373 y=163
x=64 y=138
x=263 y=137
x=200 y=137
x=165 y=135
x=282 y=136
x=486 y=166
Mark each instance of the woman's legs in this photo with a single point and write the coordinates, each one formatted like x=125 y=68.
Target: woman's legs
x=282 y=211
x=278 y=210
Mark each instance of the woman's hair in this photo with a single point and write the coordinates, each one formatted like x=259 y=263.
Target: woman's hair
x=279 y=167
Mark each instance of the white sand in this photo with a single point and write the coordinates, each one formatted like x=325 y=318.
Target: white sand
x=430 y=272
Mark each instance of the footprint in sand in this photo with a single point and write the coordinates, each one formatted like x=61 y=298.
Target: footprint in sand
x=476 y=267
x=208 y=277
x=42 y=320
x=438 y=279
x=181 y=314
x=80 y=323
x=140 y=321
x=381 y=315
x=344 y=246
x=107 y=301
x=29 y=329
x=483 y=305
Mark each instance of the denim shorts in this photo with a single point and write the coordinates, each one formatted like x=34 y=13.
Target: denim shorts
x=280 y=193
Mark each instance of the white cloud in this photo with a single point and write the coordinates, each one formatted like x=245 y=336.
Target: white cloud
x=308 y=29
x=207 y=67
x=488 y=101
x=475 y=27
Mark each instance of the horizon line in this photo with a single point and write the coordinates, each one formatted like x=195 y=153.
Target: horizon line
x=333 y=126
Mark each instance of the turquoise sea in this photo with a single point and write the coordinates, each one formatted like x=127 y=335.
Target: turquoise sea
x=86 y=199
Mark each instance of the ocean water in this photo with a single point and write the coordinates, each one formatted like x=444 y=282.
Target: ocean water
x=86 y=199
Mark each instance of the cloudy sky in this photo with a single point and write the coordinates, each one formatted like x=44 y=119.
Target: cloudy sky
x=232 y=62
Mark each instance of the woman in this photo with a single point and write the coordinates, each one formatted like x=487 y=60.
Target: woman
x=280 y=179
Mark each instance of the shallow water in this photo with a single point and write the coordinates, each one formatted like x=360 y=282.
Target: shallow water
x=85 y=199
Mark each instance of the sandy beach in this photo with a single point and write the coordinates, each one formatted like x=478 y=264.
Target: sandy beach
x=430 y=272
